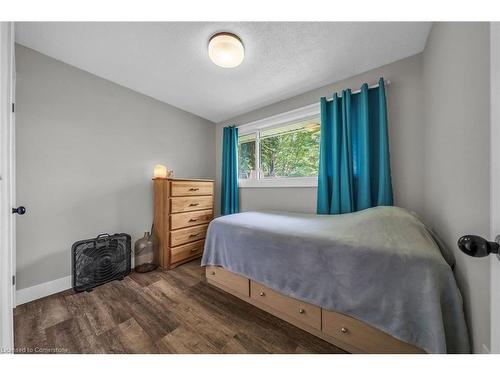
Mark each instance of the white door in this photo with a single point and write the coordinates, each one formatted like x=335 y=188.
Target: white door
x=7 y=188
x=495 y=182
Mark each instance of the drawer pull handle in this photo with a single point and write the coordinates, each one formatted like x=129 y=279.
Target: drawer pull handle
x=194 y=189
x=193 y=204
x=213 y=273
x=302 y=311
x=262 y=294
x=195 y=250
x=344 y=330
x=194 y=235
x=193 y=220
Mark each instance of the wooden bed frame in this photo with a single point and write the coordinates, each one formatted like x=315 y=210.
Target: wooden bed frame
x=341 y=330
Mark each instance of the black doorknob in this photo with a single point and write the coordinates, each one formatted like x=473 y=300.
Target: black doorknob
x=477 y=246
x=21 y=210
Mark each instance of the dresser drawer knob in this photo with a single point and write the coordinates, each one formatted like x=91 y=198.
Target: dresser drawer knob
x=262 y=294
x=344 y=330
x=213 y=273
x=193 y=220
x=195 y=250
x=194 y=235
x=194 y=189
x=193 y=204
x=302 y=311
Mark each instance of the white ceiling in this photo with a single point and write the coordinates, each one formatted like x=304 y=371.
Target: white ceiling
x=169 y=61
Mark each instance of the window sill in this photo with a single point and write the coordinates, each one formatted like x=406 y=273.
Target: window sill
x=297 y=182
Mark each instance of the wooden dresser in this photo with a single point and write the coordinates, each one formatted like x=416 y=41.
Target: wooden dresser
x=182 y=210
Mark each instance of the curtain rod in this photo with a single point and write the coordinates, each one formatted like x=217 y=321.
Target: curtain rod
x=386 y=83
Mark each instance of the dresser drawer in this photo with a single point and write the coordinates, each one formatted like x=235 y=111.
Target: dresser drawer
x=185 y=204
x=183 y=188
x=190 y=219
x=228 y=280
x=300 y=311
x=182 y=236
x=180 y=253
x=360 y=335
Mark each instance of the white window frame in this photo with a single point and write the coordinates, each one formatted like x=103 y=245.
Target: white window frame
x=282 y=119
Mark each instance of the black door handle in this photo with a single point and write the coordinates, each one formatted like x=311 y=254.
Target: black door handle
x=21 y=210
x=477 y=246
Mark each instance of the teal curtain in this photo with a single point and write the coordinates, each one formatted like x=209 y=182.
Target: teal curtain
x=354 y=165
x=229 y=183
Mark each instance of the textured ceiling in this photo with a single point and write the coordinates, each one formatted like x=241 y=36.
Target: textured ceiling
x=169 y=61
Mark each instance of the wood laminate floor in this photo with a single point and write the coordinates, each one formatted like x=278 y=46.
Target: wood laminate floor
x=156 y=312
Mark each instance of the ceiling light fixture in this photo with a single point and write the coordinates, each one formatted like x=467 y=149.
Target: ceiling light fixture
x=226 y=50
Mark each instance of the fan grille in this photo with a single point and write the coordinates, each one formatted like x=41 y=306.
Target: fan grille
x=99 y=260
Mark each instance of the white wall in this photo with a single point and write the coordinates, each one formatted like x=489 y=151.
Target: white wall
x=7 y=220
x=404 y=100
x=86 y=148
x=456 y=75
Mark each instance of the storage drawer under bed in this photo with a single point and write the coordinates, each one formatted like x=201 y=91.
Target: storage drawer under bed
x=228 y=280
x=302 y=312
x=356 y=336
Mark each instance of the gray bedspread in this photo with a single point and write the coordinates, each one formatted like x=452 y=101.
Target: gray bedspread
x=381 y=266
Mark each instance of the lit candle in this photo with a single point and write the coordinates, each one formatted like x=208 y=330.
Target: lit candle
x=160 y=171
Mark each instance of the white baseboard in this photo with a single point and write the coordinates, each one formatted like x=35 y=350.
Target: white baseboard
x=42 y=290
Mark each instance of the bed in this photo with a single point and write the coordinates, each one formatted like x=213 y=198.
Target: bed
x=373 y=281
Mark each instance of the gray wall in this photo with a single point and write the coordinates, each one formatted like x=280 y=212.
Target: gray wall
x=404 y=97
x=86 y=148
x=457 y=177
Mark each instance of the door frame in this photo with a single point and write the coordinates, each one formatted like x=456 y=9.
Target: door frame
x=495 y=182
x=7 y=187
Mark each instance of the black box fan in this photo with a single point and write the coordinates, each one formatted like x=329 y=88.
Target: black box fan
x=98 y=260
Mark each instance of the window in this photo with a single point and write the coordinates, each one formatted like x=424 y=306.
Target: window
x=285 y=153
x=290 y=151
x=246 y=156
